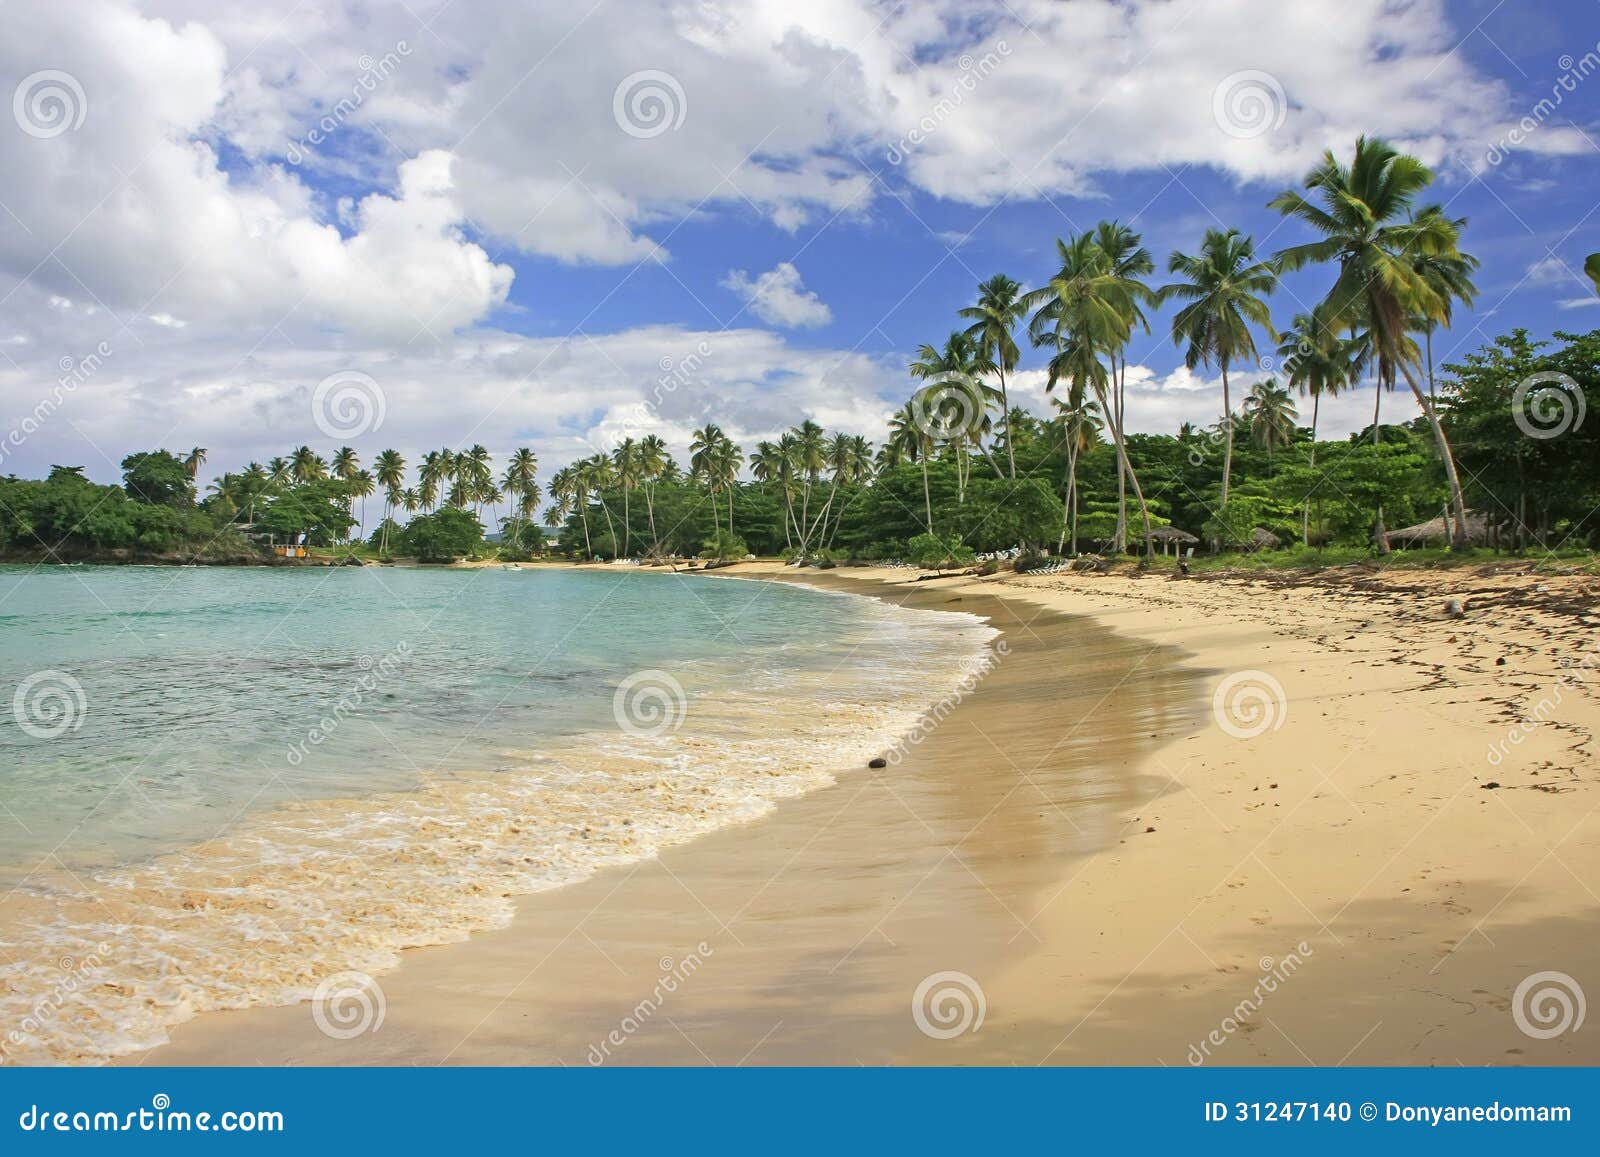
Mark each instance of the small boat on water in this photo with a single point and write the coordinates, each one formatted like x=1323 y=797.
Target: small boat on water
x=511 y=566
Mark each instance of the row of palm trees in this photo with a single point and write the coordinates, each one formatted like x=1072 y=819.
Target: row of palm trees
x=462 y=479
x=1399 y=273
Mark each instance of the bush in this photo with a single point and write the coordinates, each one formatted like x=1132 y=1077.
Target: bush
x=931 y=550
x=443 y=536
x=723 y=545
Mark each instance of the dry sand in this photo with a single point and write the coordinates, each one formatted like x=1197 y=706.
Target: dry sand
x=1097 y=862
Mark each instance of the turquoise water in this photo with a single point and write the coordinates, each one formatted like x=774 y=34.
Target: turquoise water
x=231 y=782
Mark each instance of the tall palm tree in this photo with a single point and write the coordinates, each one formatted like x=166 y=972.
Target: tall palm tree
x=1272 y=415
x=1224 y=286
x=595 y=476
x=570 y=493
x=195 y=460
x=999 y=309
x=521 y=469
x=1370 y=233
x=1449 y=275
x=625 y=461
x=1132 y=262
x=1319 y=362
x=362 y=486
x=1079 y=424
x=430 y=474
x=961 y=366
x=653 y=462
x=391 y=474
x=1087 y=313
x=910 y=441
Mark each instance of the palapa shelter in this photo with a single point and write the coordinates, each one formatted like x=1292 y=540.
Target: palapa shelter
x=1437 y=530
x=1171 y=540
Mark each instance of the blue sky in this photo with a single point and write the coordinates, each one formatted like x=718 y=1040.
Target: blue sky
x=459 y=211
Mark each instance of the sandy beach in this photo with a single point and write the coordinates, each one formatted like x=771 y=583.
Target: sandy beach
x=1084 y=861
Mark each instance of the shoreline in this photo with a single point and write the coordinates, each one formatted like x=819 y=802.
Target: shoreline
x=1291 y=905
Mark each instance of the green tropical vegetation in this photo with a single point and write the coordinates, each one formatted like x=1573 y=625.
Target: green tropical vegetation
x=1499 y=455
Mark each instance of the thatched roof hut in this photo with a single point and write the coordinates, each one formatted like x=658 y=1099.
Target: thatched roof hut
x=1170 y=538
x=1437 y=530
x=1263 y=539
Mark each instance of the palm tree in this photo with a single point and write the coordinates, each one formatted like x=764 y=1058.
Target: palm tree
x=653 y=462
x=519 y=482
x=1224 y=289
x=909 y=440
x=410 y=500
x=305 y=466
x=570 y=493
x=1318 y=361
x=1449 y=275
x=362 y=486
x=1130 y=261
x=429 y=475
x=195 y=460
x=1080 y=426
x=594 y=476
x=772 y=464
x=391 y=474
x=625 y=459
x=1087 y=312
x=1272 y=415
x=1370 y=233
x=1000 y=307
x=960 y=366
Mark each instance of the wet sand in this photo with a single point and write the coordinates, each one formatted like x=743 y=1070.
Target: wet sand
x=1371 y=875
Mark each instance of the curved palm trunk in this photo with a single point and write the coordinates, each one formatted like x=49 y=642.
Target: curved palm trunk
x=1380 y=536
x=1133 y=479
x=1005 y=407
x=650 y=506
x=927 y=495
x=583 y=513
x=1227 y=430
x=1458 y=537
x=1305 y=518
x=627 y=537
x=1118 y=398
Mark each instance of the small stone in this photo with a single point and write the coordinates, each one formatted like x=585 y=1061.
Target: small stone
x=1490 y=786
x=1147 y=831
x=877 y=761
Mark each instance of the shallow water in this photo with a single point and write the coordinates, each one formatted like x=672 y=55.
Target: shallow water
x=218 y=787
